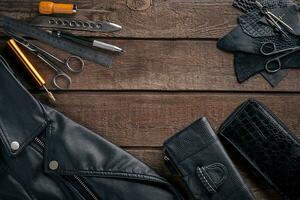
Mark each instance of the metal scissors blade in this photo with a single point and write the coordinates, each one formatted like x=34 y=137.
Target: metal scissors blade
x=21 y=41
x=66 y=62
x=110 y=27
x=60 y=76
x=61 y=80
x=277 y=60
x=269 y=48
x=282 y=22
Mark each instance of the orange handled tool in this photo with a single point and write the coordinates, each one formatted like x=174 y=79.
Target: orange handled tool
x=17 y=52
x=48 y=8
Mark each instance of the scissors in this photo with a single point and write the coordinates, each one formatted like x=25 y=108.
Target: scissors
x=61 y=80
x=268 y=49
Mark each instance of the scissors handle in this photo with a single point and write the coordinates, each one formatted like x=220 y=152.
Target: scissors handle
x=268 y=48
x=78 y=60
x=62 y=81
x=273 y=65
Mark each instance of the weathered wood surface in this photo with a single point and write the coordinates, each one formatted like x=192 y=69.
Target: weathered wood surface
x=170 y=74
x=147 y=18
x=160 y=19
x=167 y=65
x=147 y=119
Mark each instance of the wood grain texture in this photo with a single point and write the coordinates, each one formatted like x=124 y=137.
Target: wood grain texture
x=166 y=65
x=160 y=19
x=146 y=18
x=148 y=119
x=170 y=74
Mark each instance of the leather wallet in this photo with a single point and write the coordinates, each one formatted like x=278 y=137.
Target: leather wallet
x=265 y=142
x=196 y=155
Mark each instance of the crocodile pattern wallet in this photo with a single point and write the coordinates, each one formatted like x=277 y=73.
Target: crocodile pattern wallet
x=196 y=155
x=265 y=142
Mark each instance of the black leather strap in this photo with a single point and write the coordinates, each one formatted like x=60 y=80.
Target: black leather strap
x=212 y=176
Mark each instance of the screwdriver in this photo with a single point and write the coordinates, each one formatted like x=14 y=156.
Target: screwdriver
x=15 y=49
x=49 y=7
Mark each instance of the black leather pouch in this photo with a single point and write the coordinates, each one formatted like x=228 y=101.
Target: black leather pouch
x=264 y=141
x=197 y=156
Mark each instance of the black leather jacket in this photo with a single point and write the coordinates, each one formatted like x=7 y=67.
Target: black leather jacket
x=46 y=156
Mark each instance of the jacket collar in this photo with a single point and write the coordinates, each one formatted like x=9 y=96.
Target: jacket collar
x=21 y=116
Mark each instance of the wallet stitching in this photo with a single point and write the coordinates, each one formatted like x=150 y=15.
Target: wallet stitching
x=224 y=169
x=208 y=176
x=199 y=170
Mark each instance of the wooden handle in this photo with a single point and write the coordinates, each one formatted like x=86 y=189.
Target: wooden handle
x=48 y=8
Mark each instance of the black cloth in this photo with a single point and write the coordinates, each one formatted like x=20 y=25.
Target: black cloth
x=45 y=155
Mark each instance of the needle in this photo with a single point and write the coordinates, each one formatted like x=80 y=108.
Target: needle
x=282 y=22
x=270 y=18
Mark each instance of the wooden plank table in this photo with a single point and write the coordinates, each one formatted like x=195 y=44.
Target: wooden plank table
x=170 y=74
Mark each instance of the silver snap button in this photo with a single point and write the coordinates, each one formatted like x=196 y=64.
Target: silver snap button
x=53 y=165
x=15 y=145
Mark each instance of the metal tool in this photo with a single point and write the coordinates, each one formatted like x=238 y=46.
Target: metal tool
x=50 y=59
x=12 y=25
x=87 y=42
x=274 y=64
x=14 y=48
x=74 y=24
x=273 y=20
x=49 y=7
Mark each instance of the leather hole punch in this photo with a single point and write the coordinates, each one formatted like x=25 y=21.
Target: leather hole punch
x=212 y=176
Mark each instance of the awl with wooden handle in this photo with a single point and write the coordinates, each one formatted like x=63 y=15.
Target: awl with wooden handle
x=49 y=7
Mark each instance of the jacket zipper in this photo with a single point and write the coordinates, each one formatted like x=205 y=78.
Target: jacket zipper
x=170 y=164
x=91 y=194
x=39 y=142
